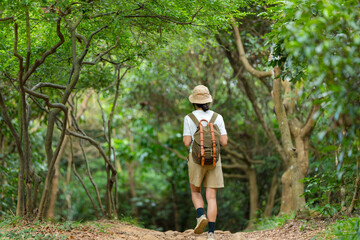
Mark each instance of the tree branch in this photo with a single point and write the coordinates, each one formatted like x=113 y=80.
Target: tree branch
x=229 y=175
x=95 y=144
x=253 y=99
x=28 y=54
x=46 y=99
x=85 y=51
x=166 y=18
x=40 y=61
x=96 y=60
x=243 y=167
x=84 y=104
x=91 y=178
x=16 y=54
x=310 y=122
x=177 y=153
x=7 y=19
x=234 y=153
x=11 y=126
x=45 y=84
x=81 y=181
x=242 y=55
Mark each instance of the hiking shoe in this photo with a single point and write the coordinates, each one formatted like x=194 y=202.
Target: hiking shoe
x=201 y=224
x=211 y=236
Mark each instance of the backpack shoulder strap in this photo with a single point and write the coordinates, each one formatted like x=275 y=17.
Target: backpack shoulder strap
x=213 y=118
x=194 y=119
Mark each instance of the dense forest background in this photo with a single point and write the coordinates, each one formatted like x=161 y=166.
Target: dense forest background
x=93 y=95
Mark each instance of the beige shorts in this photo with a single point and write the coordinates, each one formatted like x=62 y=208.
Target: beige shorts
x=210 y=176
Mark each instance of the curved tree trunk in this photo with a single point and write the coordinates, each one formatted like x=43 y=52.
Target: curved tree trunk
x=293 y=171
x=55 y=187
x=295 y=164
x=272 y=194
x=254 y=197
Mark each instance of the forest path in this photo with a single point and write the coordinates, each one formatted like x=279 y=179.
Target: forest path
x=105 y=229
x=299 y=230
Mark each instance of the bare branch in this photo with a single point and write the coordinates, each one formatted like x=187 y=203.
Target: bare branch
x=84 y=104
x=114 y=63
x=105 y=14
x=177 y=153
x=95 y=144
x=28 y=54
x=81 y=181
x=16 y=54
x=77 y=23
x=228 y=175
x=46 y=99
x=81 y=38
x=166 y=18
x=45 y=84
x=246 y=156
x=40 y=61
x=310 y=122
x=242 y=56
x=234 y=153
x=232 y=166
x=91 y=178
x=7 y=19
x=85 y=51
x=96 y=60
x=11 y=127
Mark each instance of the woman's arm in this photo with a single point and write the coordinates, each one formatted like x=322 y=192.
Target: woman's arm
x=223 y=140
x=187 y=141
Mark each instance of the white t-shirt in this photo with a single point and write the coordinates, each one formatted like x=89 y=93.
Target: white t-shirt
x=190 y=127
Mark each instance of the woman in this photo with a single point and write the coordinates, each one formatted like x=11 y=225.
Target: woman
x=211 y=177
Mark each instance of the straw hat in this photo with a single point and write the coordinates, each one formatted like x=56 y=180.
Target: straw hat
x=200 y=95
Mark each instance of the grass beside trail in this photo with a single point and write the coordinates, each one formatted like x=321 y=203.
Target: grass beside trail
x=12 y=227
x=272 y=222
x=342 y=229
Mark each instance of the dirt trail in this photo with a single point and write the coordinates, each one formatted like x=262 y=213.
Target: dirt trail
x=292 y=230
x=297 y=230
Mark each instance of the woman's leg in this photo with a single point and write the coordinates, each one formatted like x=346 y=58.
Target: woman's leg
x=211 y=204
x=196 y=196
x=201 y=220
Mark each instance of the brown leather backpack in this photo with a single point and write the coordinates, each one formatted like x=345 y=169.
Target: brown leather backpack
x=206 y=146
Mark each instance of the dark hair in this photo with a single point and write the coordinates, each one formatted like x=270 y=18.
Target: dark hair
x=204 y=107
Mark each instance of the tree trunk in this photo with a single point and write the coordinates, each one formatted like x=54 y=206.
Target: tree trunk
x=55 y=187
x=356 y=190
x=293 y=171
x=254 y=197
x=272 y=194
x=175 y=206
x=20 y=207
x=3 y=181
x=132 y=184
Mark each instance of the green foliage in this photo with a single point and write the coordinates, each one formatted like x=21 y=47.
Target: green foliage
x=29 y=233
x=273 y=222
x=10 y=221
x=130 y=220
x=346 y=229
x=319 y=42
x=11 y=227
x=317 y=192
